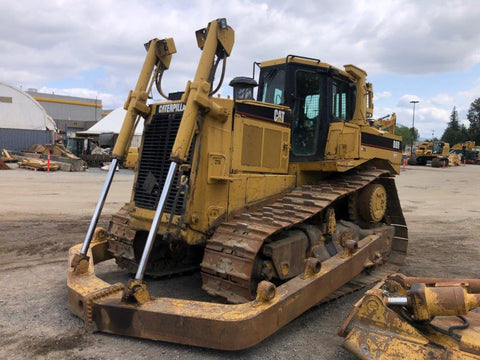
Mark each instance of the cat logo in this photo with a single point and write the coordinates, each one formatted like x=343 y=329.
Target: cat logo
x=279 y=116
x=168 y=108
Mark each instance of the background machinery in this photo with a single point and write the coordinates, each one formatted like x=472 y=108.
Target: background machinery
x=280 y=201
x=6 y=157
x=386 y=123
x=435 y=151
x=467 y=145
x=468 y=153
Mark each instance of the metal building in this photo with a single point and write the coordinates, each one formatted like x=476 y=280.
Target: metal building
x=23 y=121
x=71 y=114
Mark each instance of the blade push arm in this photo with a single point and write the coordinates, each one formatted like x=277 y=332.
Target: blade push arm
x=159 y=55
x=216 y=40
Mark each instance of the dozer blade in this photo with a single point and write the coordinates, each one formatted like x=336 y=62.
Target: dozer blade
x=205 y=324
x=374 y=330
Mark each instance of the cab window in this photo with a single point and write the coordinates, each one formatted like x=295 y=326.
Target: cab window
x=306 y=113
x=274 y=86
x=342 y=101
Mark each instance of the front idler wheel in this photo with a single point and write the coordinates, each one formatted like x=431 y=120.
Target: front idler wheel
x=372 y=203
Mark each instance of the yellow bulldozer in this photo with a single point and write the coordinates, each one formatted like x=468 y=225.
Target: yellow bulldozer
x=281 y=202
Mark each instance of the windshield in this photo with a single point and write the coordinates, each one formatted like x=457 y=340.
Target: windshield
x=274 y=86
x=437 y=148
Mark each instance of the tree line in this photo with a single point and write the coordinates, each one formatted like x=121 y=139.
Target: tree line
x=455 y=132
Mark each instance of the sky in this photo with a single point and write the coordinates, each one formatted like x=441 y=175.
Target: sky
x=428 y=51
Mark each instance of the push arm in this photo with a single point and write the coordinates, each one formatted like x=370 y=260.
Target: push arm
x=216 y=40
x=159 y=55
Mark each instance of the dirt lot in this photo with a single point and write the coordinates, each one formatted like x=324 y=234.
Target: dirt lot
x=44 y=214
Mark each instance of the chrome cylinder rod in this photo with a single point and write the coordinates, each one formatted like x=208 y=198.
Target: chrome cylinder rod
x=99 y=207
x=156 y=222
x=398 y=301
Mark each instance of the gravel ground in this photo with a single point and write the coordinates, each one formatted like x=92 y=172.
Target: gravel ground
x=43 y=214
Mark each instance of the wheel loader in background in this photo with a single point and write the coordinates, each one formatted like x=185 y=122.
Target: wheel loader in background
x=435 y=152
x=281 y=202
x=468 y=153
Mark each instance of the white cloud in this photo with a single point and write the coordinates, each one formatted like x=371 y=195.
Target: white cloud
x=470 y=95
x=443 y=100
x=429 y=117
x=96 y=47
x=405 y=100
x=383 y=95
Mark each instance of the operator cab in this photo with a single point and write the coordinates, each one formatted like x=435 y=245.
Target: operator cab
x=317 y=93
x=438 y=147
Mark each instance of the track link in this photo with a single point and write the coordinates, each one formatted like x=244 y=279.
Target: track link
x=230 y=254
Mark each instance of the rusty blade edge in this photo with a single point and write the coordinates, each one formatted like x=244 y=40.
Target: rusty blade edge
x=211 y=325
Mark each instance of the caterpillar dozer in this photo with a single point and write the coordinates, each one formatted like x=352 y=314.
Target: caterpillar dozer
x=281 y=202
x=416 y=318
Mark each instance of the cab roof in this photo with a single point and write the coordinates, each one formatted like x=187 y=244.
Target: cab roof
x=306 y=61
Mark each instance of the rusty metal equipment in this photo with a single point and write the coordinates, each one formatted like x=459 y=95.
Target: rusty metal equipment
x=279 y=202
x=416 y=318
x=3 y=166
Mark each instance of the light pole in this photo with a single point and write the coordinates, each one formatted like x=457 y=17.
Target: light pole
x=413 y=126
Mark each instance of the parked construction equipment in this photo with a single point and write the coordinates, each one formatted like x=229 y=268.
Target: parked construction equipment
x=435 y=152
x=468 y=153
x=467 y=145
x=6 y=157
x=386 y=123
x=280 y=201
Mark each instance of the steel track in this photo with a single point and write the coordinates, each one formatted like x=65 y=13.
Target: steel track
x=230 y=254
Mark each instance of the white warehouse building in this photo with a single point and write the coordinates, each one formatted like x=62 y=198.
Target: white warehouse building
x=109 y=127
x=23 y=121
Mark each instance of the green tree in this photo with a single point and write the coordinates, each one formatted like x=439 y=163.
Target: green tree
x=406 y=134
x=454 y=123
x=473 y=117
x=453 y=137
x=454 y=133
